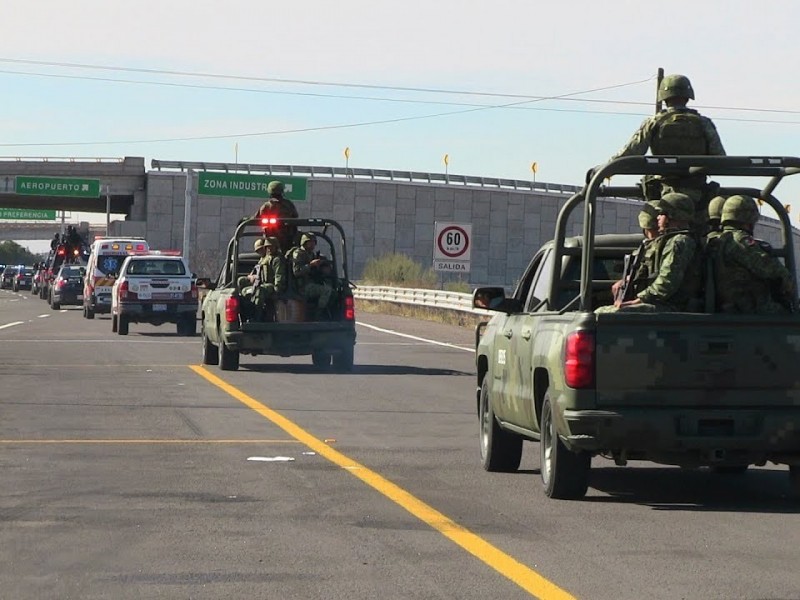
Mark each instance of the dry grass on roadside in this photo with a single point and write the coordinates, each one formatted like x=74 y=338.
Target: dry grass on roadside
x=448 y=317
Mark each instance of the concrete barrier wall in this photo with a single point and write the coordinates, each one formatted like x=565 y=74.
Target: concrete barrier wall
x=379 y=217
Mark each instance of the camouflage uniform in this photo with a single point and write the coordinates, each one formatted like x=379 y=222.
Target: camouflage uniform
x=676 y=131
x=283 y=208
x=673 y=278
x=748 y=279
x=272 y=276
x=308 y=278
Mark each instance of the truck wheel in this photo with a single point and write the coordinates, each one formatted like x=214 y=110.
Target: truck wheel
x=122 y=325
x=320 y=359
x=794 y=481
x=565 y=474
x=228 y=359
x=114 y=324
x=88 y=312
x=187 y=326
x=500 y=450
x=210 y=351
x=343 y=360
x=54 y=305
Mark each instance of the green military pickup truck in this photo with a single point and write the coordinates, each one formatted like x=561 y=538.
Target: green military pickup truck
x=690 y=389
x=228 y=330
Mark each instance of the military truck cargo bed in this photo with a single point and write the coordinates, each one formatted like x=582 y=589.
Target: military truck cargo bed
x=695 y=389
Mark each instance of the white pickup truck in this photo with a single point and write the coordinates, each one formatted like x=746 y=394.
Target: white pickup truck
x=154 y=288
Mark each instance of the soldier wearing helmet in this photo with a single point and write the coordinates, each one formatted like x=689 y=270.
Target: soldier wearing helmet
x=747 y=278
x=715 y=216
x=280 y=206
x=640 y=263
x=312 y=275
x=676 y=131
x=267 y=279
x=674 y=282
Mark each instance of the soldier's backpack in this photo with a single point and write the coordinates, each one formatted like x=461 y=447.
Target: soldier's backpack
x=679 y=133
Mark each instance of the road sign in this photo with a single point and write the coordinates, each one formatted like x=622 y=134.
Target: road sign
x=72 y=187
x=248 y=186
x=452 y=246
x=27 y=214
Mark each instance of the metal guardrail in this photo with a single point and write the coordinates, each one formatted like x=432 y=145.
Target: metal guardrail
x=420 y=297
x=369 y=174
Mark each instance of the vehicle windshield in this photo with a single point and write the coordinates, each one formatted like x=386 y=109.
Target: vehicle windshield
x=156 y=267
x=110 y=264
x=72 y=272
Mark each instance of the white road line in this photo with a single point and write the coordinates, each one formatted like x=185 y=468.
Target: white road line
x=43 y=316
x=414 y=337
x=12 y=324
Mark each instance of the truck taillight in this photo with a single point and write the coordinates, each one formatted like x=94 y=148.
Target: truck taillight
x=232 y=309
x=123 y=290
x=579 y=360
x=60 y=283
x=194 y=291
x=349 y=309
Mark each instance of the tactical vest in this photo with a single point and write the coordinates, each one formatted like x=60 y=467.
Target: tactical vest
x=688 y=298
x=679 y=133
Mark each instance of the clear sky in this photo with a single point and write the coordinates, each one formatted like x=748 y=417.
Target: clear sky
x=494 y=85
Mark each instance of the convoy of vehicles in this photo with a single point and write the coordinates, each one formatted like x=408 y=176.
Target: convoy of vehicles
x=154 y=288
x=688 y=389
x=227 y=330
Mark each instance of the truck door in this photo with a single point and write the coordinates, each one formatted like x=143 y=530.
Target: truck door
x=523 y=342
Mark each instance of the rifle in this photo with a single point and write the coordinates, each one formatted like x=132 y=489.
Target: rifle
x=632 y=262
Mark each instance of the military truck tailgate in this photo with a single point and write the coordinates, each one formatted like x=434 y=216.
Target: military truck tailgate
x=697 y=360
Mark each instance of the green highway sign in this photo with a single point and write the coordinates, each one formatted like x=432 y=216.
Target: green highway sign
x=248 y=186
x=58 y=186
x=28 y=214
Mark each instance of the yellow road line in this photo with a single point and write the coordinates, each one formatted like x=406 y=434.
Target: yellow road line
x=148 y=441
x=525 y=577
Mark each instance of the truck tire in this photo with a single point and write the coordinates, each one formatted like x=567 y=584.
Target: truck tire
x=210 y=351
x=228 y=359
x=54 y=305
x=343 y=360
x=114 y=324
x=188 y=326
x=565 y=474
x=794 y=482
x=321 y=359
x=500 y=450
x=88 y=313
x=122 y=325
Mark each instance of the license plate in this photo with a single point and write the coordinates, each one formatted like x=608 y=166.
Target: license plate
x=159 y=307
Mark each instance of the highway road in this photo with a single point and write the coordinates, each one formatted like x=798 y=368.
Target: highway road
x=130 y=471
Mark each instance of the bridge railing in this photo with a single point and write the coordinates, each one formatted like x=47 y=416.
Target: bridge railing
x=369 y=174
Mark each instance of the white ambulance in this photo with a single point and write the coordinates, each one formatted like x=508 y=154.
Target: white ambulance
x=105 y=260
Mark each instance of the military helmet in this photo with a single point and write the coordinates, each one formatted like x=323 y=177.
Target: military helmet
x=272 y=241
x=715 y=207
x=677 y=206
x=260 y=243
x=648 y=214
x=675 y=85
x=742 y=209
x=307 y=237
x=274 y=187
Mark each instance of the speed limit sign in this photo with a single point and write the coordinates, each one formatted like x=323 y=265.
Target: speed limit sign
x=452 y=246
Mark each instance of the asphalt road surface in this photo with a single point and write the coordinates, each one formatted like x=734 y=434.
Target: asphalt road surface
x=130 y=471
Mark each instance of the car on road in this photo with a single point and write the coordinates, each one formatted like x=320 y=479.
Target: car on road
x=23 y=280
x=155 y=288
x=67 y=287
x=7 y=278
